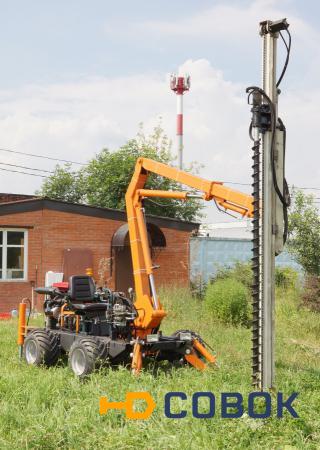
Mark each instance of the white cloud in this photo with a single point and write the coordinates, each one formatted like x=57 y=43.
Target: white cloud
x=222 y=21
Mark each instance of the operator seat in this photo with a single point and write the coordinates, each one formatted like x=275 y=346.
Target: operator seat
x=81 y=294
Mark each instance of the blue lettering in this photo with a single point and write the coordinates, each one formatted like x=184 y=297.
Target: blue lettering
x=286 y=404
x=195 y=405
x=167 y=410
x=225 y=404
x=251 y=399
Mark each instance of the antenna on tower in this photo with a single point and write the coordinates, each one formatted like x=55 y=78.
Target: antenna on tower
x=180 y=84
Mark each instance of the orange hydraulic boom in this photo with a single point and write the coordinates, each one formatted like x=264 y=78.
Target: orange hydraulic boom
x=148 y=306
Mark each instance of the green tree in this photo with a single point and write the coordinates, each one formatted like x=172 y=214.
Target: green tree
x=304 y=233
x=64 y=184
x=104 y=181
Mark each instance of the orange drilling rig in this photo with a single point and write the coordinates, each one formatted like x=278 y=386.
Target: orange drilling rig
x=94 y=325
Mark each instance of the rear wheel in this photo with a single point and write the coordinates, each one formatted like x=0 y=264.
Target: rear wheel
x=84 y=356
x=41 y=347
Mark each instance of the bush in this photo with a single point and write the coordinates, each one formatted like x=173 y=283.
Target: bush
x=198 y=287
x=286 y=277
x=228 y=299
x=240 y=271
x=311 y=293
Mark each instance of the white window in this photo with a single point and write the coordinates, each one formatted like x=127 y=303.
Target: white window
x=13 y=254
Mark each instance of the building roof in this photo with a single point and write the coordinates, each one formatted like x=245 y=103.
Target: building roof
x=36 y=204
x=6 y=197
x=240 y=229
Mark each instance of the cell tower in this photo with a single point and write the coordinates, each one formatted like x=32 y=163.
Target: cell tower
x=180 y=85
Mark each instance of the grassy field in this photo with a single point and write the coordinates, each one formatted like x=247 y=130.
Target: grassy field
x=50 y=409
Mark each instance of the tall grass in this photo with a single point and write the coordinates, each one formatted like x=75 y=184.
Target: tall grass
x=50 y=409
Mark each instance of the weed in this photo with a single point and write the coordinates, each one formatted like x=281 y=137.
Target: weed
x=227 y=298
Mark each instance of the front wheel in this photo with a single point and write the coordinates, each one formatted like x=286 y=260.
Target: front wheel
x=41 y=347
x=83 y=356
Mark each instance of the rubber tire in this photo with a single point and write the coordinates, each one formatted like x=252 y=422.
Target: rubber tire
x=47 y=345
x=91 y=351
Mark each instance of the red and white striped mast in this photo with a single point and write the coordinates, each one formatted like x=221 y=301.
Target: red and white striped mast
x=180 y=85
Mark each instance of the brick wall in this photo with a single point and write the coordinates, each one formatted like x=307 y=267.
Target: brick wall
x=11 y=292
x=50 y=232
x=173 y=259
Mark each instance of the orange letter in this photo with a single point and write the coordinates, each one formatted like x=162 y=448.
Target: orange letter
x=131 y=397
x=103 y=405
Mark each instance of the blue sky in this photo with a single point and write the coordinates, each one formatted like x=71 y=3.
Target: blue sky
x=45 y=41
x=77 y=76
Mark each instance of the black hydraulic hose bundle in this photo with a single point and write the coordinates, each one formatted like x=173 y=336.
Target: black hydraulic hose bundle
x=288 y=47
x=284 y=196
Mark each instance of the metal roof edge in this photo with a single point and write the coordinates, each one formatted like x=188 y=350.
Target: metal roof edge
x=35 y=204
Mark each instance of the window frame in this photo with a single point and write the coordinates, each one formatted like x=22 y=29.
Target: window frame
x=4 y=247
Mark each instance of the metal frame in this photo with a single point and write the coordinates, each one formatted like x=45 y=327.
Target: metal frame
x=269 y=63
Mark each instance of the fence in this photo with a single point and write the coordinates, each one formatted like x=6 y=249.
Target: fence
x=207 y=254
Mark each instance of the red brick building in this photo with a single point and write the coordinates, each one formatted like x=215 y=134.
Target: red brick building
x=40 y=235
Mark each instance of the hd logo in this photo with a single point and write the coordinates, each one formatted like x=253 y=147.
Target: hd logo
x=231 y=405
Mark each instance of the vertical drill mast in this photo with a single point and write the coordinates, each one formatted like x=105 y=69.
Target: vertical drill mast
x=267 y=132
x=268 y=213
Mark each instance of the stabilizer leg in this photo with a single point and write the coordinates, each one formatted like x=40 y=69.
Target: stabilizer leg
x=136 y=363
x=204 y=352
x=195 y=361
x=194 y=358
